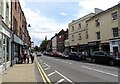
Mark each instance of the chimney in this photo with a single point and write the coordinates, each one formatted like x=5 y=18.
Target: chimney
x=97 y=10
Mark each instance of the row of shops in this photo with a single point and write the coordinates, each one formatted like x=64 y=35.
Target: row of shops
x=113 y=46
x=10 y=47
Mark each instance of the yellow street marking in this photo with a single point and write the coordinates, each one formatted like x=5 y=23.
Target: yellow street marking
x=43 y=73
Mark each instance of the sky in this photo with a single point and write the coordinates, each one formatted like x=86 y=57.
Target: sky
x=48 y=17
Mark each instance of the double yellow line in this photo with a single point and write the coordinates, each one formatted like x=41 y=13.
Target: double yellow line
x=45 y=78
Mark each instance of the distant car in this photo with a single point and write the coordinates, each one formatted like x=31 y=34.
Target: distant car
x=105 y=57
x=76 y=56
x=38 y=54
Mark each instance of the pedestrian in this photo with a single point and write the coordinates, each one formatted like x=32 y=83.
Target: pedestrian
x=25 y=53
x=32 y=57
x=21 y=58
x=27 y=56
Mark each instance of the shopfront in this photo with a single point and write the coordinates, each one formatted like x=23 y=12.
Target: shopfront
x=93 y=46
x=115 y=45
x=17 y=48
x=5 y=43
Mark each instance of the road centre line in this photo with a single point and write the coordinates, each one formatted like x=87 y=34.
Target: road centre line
x=61 y=80
x=64 y=77
x=66 y=62
x=41 y=61
x=100 y=71
x=97 y=65
x=50 y=74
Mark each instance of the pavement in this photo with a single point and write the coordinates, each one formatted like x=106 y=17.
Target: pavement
x=20 y=73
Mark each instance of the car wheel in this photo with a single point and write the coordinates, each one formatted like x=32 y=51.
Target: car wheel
x=93 y=60
x=111 y=62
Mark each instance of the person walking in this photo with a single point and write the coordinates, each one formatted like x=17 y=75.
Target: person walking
x=27 y=56
x=32 y=57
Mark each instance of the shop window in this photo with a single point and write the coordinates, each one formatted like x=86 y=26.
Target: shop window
x=114 y=16
x=7 y=53
x=115 y=32
x=0 y=48
x=98 y=35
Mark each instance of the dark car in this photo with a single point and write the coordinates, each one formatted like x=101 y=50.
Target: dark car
x=105 y=57
x=76 y=56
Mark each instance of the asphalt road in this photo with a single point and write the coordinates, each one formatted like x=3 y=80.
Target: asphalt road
x=63 y=70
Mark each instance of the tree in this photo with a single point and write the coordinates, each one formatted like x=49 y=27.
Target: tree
x=36 y=48
x=43 y=45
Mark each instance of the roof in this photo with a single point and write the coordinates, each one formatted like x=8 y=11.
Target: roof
x=109 y=9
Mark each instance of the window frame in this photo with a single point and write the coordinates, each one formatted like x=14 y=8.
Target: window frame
x=114 y=15
x=98 y=35
x=115 y=33
x=97 y=22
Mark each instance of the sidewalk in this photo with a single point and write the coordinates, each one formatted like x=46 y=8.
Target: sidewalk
x=20 y=73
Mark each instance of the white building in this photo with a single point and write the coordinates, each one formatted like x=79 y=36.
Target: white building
x=54 y=44
x=5 y=41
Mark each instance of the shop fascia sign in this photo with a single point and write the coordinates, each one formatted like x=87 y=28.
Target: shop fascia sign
x=18 y=40
x=4 y=31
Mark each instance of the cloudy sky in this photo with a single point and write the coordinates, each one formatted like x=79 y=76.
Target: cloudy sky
x=48 y=17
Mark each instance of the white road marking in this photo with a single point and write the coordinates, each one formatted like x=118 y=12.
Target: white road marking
x=100 y=71
x=61 y=80
x=97 y=65
x=51 y=74
x=46 y=69
x=66 y=62
x=46 y=64
x=64 y=77
x=41 y=61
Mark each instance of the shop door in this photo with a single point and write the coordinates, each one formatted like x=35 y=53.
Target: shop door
x=115 y=49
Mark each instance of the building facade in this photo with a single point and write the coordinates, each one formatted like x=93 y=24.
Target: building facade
x=104 y=30
x=5 y=41
x=17 y=31
x=54 y=43
x=78 y=33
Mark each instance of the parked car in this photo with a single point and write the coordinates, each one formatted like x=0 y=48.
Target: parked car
x=76 y=56
x=65 y=55
x=105 y=57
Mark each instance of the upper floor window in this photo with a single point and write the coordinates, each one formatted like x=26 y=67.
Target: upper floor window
x=98 y=35
x=114 y=16
x=72 y=37
x=72 y=28
x=60 y=36
x=86 y=34
x=79 y=36
x=115 y=32
x=79 y=25
x=97 y=22
x=15 y=25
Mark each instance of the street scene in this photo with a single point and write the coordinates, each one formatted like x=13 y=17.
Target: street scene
x=60 y=42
